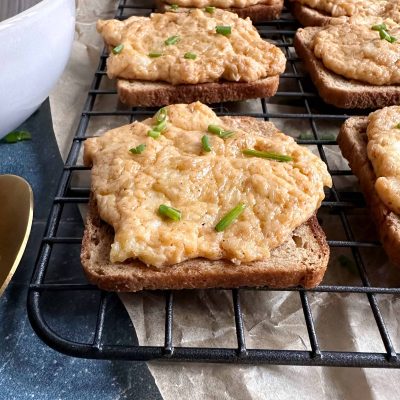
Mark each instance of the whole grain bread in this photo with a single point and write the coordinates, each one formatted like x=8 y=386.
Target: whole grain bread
x=152 y=94
x=353 y=141
x=301 y=260
x=339 y=91
x=266 y=11
x=308 y=16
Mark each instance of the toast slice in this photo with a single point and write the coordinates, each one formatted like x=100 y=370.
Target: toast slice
x=267 y=11
x=152 y=94
x=301 y=260
x=308 y=16
x=339 y=91
x=353 y=141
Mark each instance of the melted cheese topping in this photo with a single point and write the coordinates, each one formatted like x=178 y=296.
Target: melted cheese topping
x=355 y=51
x=339 y=8
x=240 y=56
x=384 y=154
x=174 y=170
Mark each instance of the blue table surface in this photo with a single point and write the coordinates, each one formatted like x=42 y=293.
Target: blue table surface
x=28 y=367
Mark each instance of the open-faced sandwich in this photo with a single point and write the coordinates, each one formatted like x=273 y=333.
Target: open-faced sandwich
x=354 y=64
x=184 y=57
x=256 y=10
x=186 y=199
x=323 y=12
x=372 y=147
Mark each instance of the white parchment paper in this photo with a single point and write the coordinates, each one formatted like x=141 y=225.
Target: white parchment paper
x=273 y=320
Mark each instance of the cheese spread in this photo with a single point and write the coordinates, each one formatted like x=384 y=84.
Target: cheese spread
x=355 y=51
x=154 y=48
x=339 y=8
x=384 y=153
x=174 y=170
x=218 y=3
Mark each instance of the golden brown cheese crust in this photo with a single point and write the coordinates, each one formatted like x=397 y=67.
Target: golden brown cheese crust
x=355 y=51
x=241 y=56
x=384 y=153
x=174 y=170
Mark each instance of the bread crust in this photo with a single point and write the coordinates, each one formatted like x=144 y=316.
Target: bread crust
x=153 y=94
x=308 y=16
x=339 y=91
x=353 y=141
x=257 y=12
x=301 y=260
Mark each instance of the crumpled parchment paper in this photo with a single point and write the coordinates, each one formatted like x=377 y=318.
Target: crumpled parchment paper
x=272 y=320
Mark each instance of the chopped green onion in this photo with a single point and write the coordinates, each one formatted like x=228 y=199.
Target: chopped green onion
x=205 y=142
x=223 y=30
x=155 y=54
x=230 y=217
x=398 y=126
x=172 y=40
x=138 y=149
x=210 y=9
x=170 y=212
x=385 y=35
x=267 y=154
x=153 y=133
x=160 y=126
x=379 y=27
x=217 y=130
x=118 y=49
x=174 y=7
x=161 y=115
x=190 y=56
x=17 y=136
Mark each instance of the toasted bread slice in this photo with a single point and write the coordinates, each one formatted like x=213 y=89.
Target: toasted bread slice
x=339 y=91
x=152 y=94
x=267 y=11
x=353 y=141
x=308 y=16
x=301 y=260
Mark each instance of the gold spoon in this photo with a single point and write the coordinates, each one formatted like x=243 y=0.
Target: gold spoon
x=16 y=212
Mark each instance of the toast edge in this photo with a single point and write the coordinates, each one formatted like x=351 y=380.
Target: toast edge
x=308 y=16
x=362 y=168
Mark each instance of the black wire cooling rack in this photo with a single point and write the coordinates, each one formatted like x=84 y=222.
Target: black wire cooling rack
x=86 y=307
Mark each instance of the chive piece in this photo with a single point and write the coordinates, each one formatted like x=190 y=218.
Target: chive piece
x=209 y=9
x=226 y=134
x=160 y=126
x=155 y=54
x=267 y=154
x=385 y=35
x=230 y=217
x=398 y=126
x=17 y=136
x=223 y=30
x=205 y=142
x=173 y=7
x=161 y=115
x=169 y=212
x=190 y=56
x=118 y=49
x=154 y=134
x=138 y=149
x=379 y=27
x=217 y=130
x=172 y=40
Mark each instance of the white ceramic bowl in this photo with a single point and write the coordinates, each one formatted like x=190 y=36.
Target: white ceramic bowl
x=35 y=47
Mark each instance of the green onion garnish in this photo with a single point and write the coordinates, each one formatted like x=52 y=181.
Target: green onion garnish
x=210 y=9
x=205 y=142
x=379 y=27
x=169 y=212
x=155 y=54
x=267 y=154
x=217 y=130
x=172 y=40
x=17 y=136
x=160 y=126
x=230 y=217
x=161 y=115
x=153 y=133
x=118 y=49
x=398 y=126
x=138 y=149
x=174 y=7
x=223 y=30
x=190 y=56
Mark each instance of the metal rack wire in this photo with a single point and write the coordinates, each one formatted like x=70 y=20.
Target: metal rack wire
x=294 y=89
